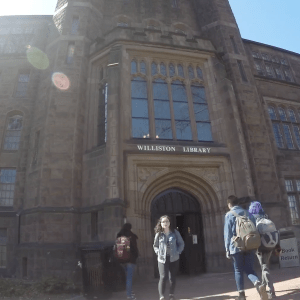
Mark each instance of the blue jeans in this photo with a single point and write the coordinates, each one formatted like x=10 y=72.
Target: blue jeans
x=243 y=263
x=128 y=268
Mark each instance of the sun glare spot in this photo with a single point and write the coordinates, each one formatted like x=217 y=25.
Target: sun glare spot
x=61 y=81
x=37 y=58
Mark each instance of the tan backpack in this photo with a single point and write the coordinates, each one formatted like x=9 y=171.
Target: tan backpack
x=247 y=237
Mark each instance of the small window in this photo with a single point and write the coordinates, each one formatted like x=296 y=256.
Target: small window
x=70 y=54
x=242 y=71
x=234 y=46
x=3 y=250
x=153 y=68
x=259 y=68
x=191 y=72
x=282 y=114
x=278 y=135
x=292 y=187
x=178 y=30
x=270 y=71
x=284 y=61
x=288 y=136
x=275 y=60
x=75 y=25
x=171 y=70
x=13 y=133
x=7 y=186
x=122 y=24
x=272 y=113
x=102 y=115
x=133 y=67
x=143 y=67
x=199 y=73
x=278 y=73
x=163 y=69
x=288 y=75
x=266 y=57
x=292 y=115
x=22 y=85
x=255 y=55
x=180 y=71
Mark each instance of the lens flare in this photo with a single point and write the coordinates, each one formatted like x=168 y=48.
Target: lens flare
x=61 y=81
x=37 y=58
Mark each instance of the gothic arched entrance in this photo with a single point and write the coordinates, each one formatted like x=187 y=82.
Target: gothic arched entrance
x=185 y=213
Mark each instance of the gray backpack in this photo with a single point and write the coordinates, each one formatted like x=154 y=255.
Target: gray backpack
x=247 y=237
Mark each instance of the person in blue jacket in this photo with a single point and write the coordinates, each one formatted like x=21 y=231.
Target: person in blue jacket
x=242 y=261
x=168 y=245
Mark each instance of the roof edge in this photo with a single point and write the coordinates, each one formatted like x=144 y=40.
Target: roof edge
x=270 y=46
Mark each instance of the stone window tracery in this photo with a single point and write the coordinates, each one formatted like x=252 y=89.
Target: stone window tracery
x=170 y=93
x=13 y=133
x=286 y=127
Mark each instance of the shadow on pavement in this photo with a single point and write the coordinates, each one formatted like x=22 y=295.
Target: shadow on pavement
x=291 y=295
x=223 y=297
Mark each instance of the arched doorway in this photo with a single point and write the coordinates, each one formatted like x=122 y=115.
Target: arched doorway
x=185 y=213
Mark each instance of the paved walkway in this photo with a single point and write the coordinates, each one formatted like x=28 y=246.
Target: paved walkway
x=220 y=287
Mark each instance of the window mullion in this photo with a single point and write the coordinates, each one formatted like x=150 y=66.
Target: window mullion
x=192 y=111
x=172 y=110
x=151 y=116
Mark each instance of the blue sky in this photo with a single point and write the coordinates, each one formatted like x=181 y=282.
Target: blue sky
x=273 y=22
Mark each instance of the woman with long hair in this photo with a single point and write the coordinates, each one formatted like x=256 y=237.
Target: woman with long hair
x=168 y=244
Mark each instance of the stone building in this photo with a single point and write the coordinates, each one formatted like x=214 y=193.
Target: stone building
x=116 y=110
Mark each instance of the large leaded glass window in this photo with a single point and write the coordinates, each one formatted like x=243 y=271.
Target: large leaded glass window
x=13 y=133
x=286 y=128
x=7 y=186
x=22 y=85
x=139 y=108
x=173 y=116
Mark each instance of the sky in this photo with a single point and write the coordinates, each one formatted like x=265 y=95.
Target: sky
x=272 y=22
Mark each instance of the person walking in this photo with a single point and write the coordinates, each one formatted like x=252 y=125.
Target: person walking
x=130 y=263
x=168 y=245
x=242 y=260
x=264 y=253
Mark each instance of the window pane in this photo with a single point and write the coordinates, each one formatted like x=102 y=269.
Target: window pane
x=278 y=135
x=201 y=112
x=270 y=71
x=153 y=68
x=292 y=115
x=282 y=114
x=180 y=70
x=171 y=70
x=293 y=209
x=181 y=111
x=163 y=69
x=272 y=113
x=178 y=91
x=13 y=133
x=133 y=67
x=199 y=73
x=298 y=185
x=160 y=90
x=140 y=128
x=138 y=88
x=75 y=25
x=183 y=130
x=198 y=94
x=259 y=68
x=7 y=180
x=143 y=67
x=204 y=132
x=191 y=72
x=297 y=135
x=139 y=108
x=163 y=129
x=162 y=110
x=70 y=55
x=24 y=78
x=279 y=73
x=288 y=136
x=289 y=185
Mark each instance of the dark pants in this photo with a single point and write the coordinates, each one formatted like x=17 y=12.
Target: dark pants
x=167 y=270
x=264 y=258
x=243 y=263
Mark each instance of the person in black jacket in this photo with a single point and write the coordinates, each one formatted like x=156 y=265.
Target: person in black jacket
x=134 y=253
